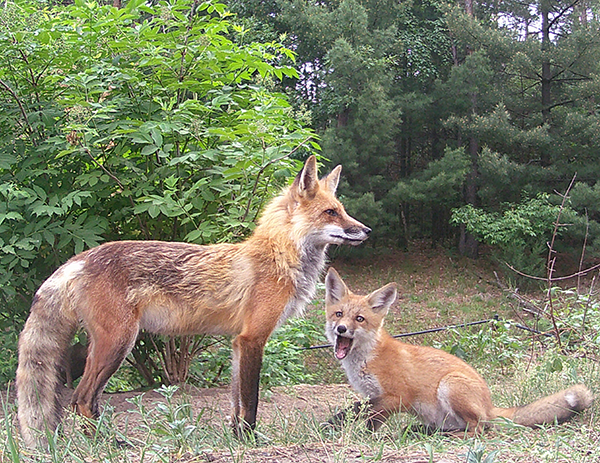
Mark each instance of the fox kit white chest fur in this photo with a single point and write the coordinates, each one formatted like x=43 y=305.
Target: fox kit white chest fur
x=439 y=388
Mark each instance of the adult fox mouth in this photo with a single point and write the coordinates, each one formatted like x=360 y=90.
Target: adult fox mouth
x=342 y=347
x=354 y=241
x=350 y=240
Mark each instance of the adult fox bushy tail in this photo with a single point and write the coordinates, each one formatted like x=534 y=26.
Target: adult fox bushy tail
x=119 y=288
x=439 y=388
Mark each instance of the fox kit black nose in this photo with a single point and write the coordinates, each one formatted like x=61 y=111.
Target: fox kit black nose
x=367 y=230
x=341 y=329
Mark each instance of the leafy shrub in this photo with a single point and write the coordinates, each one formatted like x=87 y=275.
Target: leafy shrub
x=496 y=344
x=212 y=366
x=520 y=233
x=283 y=362
x=576 y=317
x=154 y=121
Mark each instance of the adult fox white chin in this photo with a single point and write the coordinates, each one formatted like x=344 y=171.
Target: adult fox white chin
x=119 y=288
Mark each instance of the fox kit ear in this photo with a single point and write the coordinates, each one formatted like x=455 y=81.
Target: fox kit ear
x=383 y=298
x=332 y=179
x=335 y=288
x=307 y=181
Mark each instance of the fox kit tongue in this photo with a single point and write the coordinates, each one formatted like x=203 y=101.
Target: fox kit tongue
x=342 y=347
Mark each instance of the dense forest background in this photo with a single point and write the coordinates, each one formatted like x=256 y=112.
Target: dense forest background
x=458 y=123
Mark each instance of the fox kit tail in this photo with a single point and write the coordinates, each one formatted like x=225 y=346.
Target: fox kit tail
x=557 y=407
x=43 y=345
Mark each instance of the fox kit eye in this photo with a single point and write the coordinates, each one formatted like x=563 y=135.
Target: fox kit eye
x=339 y=314
x=360 y=319
x=331 y=212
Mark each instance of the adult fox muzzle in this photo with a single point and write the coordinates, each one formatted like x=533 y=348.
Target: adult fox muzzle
x=439 y=388
x=119 y=288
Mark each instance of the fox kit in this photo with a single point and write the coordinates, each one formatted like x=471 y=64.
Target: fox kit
x=439 y=388
x=117 y=289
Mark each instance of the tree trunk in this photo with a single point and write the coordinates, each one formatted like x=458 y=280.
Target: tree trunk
x=469 y=7
x=468 y=244
x=546 y=74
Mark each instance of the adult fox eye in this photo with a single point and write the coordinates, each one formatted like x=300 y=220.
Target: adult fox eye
x=360 y=319
x=331 y=212
x=339 y=314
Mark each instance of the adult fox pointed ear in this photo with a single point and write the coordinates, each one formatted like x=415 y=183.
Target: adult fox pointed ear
x=335 y=288
x=307 y=181
x=382 y=299
x=332 y=180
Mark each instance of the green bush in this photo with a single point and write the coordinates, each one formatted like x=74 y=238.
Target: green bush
x=520 y=233
x=283 y=363
x=154 y=121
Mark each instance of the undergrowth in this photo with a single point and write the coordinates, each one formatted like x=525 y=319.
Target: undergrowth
x=169 y=429
x=519 y=366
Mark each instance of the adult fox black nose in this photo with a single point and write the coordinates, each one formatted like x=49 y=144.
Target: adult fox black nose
x=341 y=329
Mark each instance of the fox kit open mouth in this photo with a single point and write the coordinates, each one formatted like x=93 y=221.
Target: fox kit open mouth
x=342 y=347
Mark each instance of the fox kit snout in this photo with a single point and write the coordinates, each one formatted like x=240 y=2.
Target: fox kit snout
x=440 y=389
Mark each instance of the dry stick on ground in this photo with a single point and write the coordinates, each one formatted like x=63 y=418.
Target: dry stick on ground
x=550 y=304
x=587 y=305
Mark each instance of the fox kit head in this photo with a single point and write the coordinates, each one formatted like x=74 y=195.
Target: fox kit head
x=316 y=214
x=353 y=321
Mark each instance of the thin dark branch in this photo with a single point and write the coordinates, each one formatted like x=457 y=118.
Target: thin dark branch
x=263 y=168
x=585 y=238
x=21 y=107
x=567 y=277
x=115 y=178
x=561 y=13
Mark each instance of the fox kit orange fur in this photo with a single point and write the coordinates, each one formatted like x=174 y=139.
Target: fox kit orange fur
x=119 y=288
x=439 y=388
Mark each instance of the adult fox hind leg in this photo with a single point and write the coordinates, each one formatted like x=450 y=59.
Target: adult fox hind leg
x=109 y=345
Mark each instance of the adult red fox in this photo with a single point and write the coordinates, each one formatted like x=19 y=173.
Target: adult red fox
x=439 y=388
x=119 y=288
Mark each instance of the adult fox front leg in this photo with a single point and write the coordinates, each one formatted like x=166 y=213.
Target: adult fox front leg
x=244 y=290
x=248 y=349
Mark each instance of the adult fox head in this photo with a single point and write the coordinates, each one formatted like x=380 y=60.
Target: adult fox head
x=316 y=214
x=353 y=322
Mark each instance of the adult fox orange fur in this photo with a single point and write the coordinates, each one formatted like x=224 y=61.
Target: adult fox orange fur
x=439 y=388
x=119 y=288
